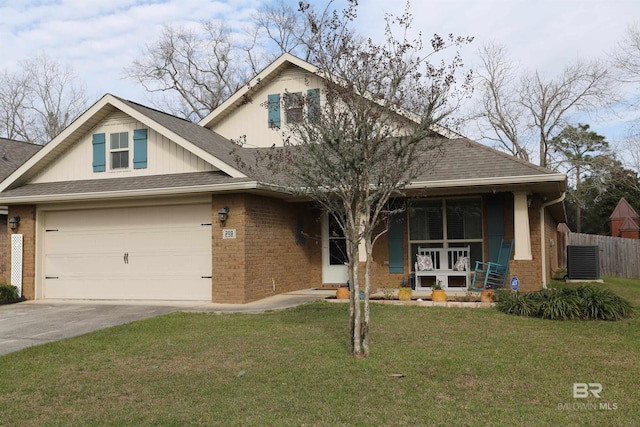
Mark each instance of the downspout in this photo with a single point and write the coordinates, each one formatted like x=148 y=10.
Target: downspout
x=543 y=242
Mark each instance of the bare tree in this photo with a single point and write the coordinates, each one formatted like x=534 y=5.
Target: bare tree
x=501 y=105
x=536 y=105
x=191 y=71
x=278 y=28
x=40 y=99
x=358 y=145
x=626 y=58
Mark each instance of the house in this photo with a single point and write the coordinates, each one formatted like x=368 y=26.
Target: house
x=12 y=154
x=624 y=221
x=132 y=203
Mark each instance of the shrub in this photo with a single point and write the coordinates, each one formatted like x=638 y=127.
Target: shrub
x=8 y=292
x=561 y=304
x=516 y=303
x=586 y=302
x=603 y=304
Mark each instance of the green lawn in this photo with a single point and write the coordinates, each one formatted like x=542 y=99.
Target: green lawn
x=292 y=368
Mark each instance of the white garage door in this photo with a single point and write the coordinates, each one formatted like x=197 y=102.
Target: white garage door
x=129 y=253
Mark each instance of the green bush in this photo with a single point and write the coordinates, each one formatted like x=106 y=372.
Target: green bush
x=603 y=304
x=8 y=292
x=561 y=304
x=516 y=303
x=586 y=302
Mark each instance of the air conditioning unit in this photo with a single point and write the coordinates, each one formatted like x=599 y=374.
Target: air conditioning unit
x=583 y=262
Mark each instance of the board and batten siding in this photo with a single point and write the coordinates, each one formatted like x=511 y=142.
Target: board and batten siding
x=251 y=119
x=163 y=155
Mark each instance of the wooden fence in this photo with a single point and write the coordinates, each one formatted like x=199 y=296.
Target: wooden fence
x=619 y=257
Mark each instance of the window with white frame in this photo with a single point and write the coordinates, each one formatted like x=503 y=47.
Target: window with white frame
x=119 y=150
x=294 y=107
x=446 y=223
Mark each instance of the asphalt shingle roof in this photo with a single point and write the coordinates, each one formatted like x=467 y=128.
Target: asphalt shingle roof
x=13 y=154
x=204 y=138
x=464 y=159
x=179 y=180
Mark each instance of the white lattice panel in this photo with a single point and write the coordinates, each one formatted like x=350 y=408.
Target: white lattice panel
x=16 y=262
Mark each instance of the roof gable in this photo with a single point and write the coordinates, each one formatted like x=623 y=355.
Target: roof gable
x=629 y=225
x=624 y=210
x=203 y=143
x=286 y=61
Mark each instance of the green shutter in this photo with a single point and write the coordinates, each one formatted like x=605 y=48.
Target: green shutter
x=313 y=104
x=273 y=102
x=140 y=149
x=99 y=152
x=396 y=243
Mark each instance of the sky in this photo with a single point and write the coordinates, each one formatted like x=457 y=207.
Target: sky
x=98 y=38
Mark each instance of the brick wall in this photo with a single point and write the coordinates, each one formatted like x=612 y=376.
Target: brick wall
x=27 y=214
x=266 y=257
x=528 y=272
x=552 y=251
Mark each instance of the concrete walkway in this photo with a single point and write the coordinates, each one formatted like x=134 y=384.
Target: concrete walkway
x=37 y=322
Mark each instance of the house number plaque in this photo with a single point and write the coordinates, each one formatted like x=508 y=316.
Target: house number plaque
x=229 y=233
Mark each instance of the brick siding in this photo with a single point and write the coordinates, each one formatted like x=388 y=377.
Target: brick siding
x=27 y=228
x=266 y=257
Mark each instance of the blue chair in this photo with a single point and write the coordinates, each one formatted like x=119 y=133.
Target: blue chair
x=493 y=274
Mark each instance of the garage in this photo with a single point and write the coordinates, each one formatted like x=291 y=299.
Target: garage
x=146 y=252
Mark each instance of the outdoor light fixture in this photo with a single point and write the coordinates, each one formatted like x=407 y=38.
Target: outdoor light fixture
x=223 y=214
x=14 y=222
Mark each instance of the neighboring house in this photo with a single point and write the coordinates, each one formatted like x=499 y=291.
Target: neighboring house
x=12 y=155
x=624 y=221
x=129 y=203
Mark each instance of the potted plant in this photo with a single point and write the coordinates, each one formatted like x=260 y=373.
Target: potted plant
x=437 y=293
x=486 y=295
x=404 y=293
x=343 y=291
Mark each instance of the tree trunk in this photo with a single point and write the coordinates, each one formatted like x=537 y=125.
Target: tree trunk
x=355 y=310
x=367 y=292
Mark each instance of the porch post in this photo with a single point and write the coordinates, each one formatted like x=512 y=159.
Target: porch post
x=521 y=231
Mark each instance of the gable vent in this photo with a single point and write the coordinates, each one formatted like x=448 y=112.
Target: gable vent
x=118 y=118
x=583 y=262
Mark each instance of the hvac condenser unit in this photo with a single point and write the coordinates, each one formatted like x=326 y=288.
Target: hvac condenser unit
x=583 y=262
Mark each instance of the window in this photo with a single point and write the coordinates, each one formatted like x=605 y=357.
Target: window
x=119 y=150
x=294 y=105
x=337 y=243
x=446 y=223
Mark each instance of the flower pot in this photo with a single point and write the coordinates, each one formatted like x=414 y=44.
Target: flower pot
x=438 y=295
x=342 y=293
x=486 y=295
x=404 y=294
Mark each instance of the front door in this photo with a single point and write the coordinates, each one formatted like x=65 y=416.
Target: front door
x=334 y=252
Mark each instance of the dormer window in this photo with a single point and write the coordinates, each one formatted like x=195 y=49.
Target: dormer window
x=119 y=150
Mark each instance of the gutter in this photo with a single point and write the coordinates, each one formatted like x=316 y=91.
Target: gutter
x=143 y=192
x=521 y=179
x=543 y=255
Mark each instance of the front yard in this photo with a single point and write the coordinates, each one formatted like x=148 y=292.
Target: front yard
x=459 y=367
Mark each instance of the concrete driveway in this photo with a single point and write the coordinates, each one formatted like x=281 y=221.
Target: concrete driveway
x=32 y=323
x=37 y=322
